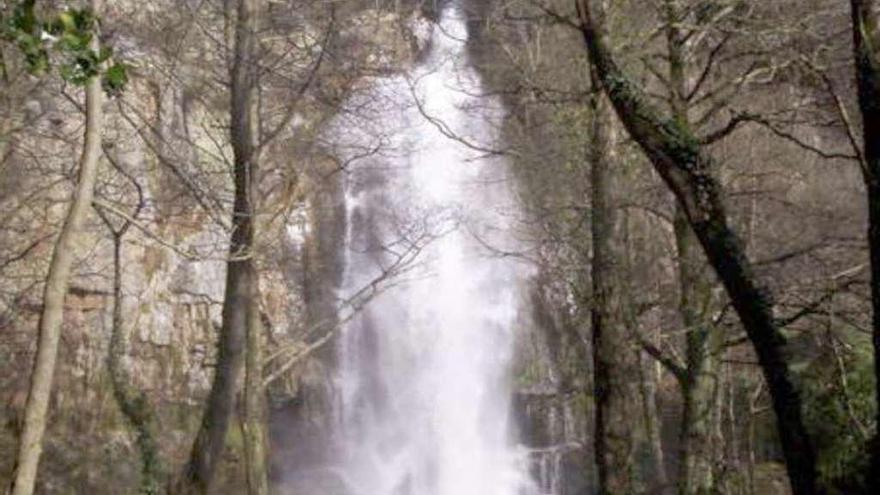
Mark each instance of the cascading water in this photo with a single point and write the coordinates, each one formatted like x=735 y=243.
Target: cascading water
x=423 y=379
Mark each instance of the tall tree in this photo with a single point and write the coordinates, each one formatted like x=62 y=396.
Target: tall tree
x=866 y=46
x=695 y=380
x=612 y=359
x=241 y=295
x=686 y=167
x=698 y=376
x=55 y=289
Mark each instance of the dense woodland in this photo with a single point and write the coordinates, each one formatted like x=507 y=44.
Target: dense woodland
x=700 y=188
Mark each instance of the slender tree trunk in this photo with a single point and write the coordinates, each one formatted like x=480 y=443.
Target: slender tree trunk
x=133 y=403
x=679 y=159
x=254 y=414
x=52 y=315
x=656 y=480
x=612 y=371
x=866 y=45
x=254 y=421
x=5 y=131
x=699 y=387
x=695 y=462
x=873 y=190
x=6 y=121
x=241 y=280
x=655 y=476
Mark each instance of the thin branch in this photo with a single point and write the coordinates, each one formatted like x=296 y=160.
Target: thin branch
x=297 y=98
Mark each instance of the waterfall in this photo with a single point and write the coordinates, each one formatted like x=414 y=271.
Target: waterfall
x=433 y=296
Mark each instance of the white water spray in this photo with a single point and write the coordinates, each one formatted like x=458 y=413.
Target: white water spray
x=424 y=367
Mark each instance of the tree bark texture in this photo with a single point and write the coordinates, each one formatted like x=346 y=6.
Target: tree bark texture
x=613 y=367
x=133 y=403
x=866 y=46
x=699 y=384
x=256 y=437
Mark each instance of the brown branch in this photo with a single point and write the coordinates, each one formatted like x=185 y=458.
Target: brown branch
x=677 y=370
x=294 y=105
x=707 y=68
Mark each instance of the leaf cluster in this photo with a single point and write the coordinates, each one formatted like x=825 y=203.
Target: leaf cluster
x=64 y=40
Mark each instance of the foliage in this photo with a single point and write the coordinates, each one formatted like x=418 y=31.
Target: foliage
x=831 y=412
x=63 y=39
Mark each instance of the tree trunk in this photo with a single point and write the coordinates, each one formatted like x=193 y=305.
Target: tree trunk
x=254 y=412
x=695 y=460
x=133 y=403
x=52 y=314
x=866 y=44
x=241 y=283
x=612 y=371
x=254 y=420
x=699 y=387
x=687 y=170
x=656 y=480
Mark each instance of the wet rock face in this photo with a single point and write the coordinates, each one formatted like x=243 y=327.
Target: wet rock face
x=552 y=398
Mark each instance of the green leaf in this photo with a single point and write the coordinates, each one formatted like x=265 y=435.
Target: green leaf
x=104 y=54
x=67 y=72
x=37 y=61
x=115 y=78
x=66 y=21
x=83 y=19
x=24 y=18
x=73 y=42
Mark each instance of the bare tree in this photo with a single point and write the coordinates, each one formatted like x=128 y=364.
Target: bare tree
x=241 y=296
x=686 y=167
x=133 y=402
x=612 y=359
